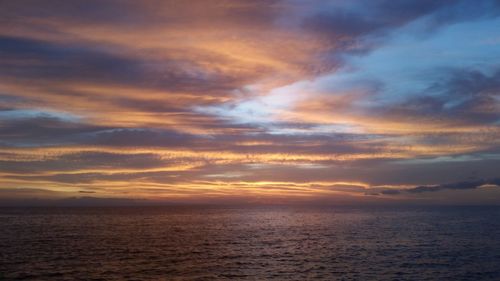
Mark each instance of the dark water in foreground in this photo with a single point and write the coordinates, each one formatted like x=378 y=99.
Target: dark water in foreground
x=250 y=244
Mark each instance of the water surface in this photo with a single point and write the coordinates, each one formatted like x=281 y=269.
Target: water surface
x=251 y=243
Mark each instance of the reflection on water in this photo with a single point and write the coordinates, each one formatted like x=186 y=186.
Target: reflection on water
x=250 y=243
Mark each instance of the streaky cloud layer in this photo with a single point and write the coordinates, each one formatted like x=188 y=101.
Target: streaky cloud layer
x=250 y=101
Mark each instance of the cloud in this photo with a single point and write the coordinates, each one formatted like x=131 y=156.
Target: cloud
x=417 y=191
x=358 y=27
x=40 y=60
x=40 y=130
x=463 y=97
x=248 y=99
x=455 y=186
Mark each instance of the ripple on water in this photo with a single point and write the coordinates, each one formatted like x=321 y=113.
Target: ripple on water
x=250 y=244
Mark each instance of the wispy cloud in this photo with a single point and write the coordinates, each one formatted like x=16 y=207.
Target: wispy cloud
x=248 y=99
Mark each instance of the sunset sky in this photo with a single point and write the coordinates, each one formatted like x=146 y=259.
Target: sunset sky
x=251 y=101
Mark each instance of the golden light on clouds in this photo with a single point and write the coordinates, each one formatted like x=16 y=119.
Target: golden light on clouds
x=242 y=99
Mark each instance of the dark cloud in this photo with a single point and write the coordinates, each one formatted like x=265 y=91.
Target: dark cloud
x=462 y=97
x=154 y=106
x=41 y=130
x=39 y=60
x=102 y=177
x=361 y=26
x=133 y=14
x=48 y=130
x=349 y=24
x=465 y=82
x=471 y=96
x=462 y=185
x=74 y=11
x=390 y=192
x=455 y=186
x=141 y=137
x=85 y=160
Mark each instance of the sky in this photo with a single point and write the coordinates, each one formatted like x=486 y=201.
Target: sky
x=250 y=101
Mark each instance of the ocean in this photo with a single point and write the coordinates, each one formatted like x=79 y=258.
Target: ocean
x=250 y=243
